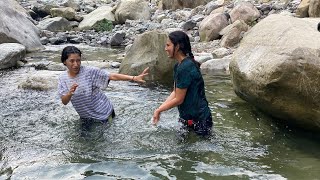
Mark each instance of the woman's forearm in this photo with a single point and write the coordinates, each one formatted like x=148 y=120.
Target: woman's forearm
x=168 y=104
x=66 y=98
x=172 y=95
x=176 y=98
x=120 y=77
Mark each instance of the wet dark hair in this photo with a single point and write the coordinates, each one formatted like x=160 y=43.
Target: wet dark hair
x=67 y=51
x=182 y=39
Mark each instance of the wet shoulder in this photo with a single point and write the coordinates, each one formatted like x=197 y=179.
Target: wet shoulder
x=89 y=70
x=63 y=75
x=187 y=65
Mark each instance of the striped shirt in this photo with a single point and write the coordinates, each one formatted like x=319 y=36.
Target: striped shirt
x=88 y=99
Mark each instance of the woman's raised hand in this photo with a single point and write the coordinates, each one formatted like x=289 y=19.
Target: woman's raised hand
x=73 y=88
x=140 y=77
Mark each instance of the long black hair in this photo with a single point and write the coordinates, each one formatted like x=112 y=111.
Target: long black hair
x=182 y=39
x=67 y=51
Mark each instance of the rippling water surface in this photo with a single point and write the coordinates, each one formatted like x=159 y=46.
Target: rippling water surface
x=42 y=139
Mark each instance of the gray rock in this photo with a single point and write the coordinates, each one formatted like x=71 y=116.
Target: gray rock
x=188 y=25
x=66 y=12
x=211 y=26
x=232 y=34
x=133 y=10
x=16 y=26
x=89 y=20
x=178 y=4
x=55 y=24
x=117 y=39
x=245 y=11
x=115 y=64
x=216 y=66
x=276 y=68
x=147 y=51
x=10 y=53
x=41 y=81
x=314 y=8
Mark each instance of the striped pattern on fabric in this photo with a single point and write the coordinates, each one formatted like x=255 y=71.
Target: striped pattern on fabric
x=88 y=100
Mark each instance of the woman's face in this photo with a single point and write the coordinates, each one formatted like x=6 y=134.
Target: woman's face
x=73 y=63
x=170 y=49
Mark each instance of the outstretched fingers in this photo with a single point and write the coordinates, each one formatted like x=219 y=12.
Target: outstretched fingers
x=141 y=76
x=73 y=88
x=145 y=71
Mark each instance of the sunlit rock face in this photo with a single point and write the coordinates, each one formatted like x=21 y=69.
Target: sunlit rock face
x=16 y=26
x=277 y=69
x=148 y=51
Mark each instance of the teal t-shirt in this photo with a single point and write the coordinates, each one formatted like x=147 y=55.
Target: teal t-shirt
x=195 y=105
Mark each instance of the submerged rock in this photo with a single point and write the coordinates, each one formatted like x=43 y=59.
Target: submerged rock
x=41 y=81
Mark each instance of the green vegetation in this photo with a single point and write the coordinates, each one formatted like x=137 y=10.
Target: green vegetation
x=103 y=25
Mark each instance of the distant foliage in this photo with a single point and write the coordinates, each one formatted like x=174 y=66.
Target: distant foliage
x=103 y=25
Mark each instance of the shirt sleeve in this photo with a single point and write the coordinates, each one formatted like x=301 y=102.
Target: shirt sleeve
x=62 y=87
x=100 y=78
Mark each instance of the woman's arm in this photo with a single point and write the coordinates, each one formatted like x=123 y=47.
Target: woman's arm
x=120 y=77
x=169 y=98
x=172 y=95
x=176 y=98
x=66 y=98
x=124 y=77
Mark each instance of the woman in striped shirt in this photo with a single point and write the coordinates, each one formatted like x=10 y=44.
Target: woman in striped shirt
x=82 y=86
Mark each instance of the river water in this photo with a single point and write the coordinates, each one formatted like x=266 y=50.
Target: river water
x=42 y=139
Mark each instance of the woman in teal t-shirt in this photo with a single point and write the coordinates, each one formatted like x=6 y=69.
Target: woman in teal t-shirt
x=188 y=93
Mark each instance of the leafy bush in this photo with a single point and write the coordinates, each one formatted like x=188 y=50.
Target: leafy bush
x=103 y=25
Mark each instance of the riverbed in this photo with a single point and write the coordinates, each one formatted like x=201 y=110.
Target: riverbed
x=42 y=139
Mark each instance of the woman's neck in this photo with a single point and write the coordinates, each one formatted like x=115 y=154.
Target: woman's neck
x=179 y=57
x=72 y=74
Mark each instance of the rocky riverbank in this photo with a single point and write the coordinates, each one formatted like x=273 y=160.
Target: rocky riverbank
x=67 y=30
x=215 y=27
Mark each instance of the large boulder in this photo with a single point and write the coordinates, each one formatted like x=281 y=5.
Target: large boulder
x=132 y=10
x=89 y=20
x=55 y=24
x=10 y=53
x=16 y=27
x=232 y=34
x=66 y=12
x=302 y=9
x=148 y=51
x=314 y=8
x=73 y=4
x=276 y=68
x=210 y=27
x=245 y=11
x=40 y=80
x=216 y=66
